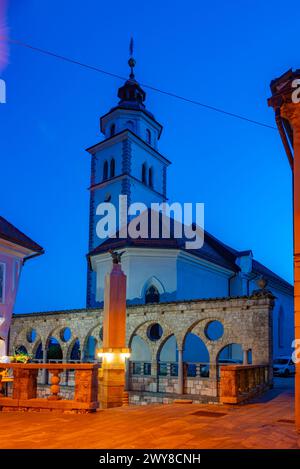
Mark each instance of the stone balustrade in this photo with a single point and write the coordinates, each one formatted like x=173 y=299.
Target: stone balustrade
x=24 y=388
x=241 y=382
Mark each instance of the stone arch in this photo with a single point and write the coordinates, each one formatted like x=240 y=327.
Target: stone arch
x=198 y=328
x=195 y=349
x=20 y=348
x=142 y=329
x=140 y=350
x=170 y=341
x=36 y=348
x=93 y=332
x=238 y=353
x=90 y=348
x=74 y=348
x=57 y=352
x=22 y=338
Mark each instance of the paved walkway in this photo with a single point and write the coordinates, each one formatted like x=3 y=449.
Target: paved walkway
x=266 y=423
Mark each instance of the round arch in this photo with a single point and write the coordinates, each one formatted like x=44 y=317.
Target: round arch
x=89 y=349
x=140 y=350
x=53 y=349
x=74 y=351
x=230 y=353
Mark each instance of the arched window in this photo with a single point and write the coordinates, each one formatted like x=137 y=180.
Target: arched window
x=152 y=295
x=112 y=130
x=105 y=170
x=148 y=136
x=150 y=177
x=130 y=125
x=144 y=173
x=112 y=168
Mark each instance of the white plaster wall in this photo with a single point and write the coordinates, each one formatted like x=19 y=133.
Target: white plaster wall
x=140 y=156
x=113 y=151
x=200 y=280
x=148 y=263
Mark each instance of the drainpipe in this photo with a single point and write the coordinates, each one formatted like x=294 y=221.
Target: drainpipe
x=229 y=280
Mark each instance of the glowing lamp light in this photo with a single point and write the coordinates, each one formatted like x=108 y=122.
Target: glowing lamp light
x=111 y=356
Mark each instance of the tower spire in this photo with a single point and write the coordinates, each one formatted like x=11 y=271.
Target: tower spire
x=131 y=61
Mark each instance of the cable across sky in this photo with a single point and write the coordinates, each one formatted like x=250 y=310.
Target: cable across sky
x=150 y=87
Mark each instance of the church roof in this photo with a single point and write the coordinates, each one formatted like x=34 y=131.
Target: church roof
x=10 y=233
x=213 y=250
x=207 y=252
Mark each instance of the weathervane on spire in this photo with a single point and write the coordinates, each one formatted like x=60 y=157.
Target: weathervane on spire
x=131 y=61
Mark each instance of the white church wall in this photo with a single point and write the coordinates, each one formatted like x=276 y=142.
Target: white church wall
x=197 y=279
x=150 y=264
x=142 y=193
x=106 y=154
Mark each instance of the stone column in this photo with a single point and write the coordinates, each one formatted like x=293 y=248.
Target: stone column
x=180 y=384
x=245 y=357
x=154 y=374
x=45 y=371
x=112 y=375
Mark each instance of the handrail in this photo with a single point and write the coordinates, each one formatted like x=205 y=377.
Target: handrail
x=24 y=392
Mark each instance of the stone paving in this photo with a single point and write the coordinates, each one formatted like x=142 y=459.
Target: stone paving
x=265 y=423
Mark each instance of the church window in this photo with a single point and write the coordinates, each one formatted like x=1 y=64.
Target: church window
x=151 y=177
x=2 y=282
x=148 y=136
x=152 y=295
x=105 y=171
x=112 y=168
x=112 y=130
x=144 y=173
x=130 y=125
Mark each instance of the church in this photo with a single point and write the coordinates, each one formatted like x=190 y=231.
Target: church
x=127 y=161
x=185 y=306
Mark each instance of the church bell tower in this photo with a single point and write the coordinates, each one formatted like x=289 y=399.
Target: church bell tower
x=126 y=162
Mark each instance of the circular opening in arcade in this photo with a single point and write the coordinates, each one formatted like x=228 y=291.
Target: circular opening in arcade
x=214 y=330
x=65 y=334
x=154 y=332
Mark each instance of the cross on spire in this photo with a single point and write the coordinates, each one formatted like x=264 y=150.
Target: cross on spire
x=131 y=61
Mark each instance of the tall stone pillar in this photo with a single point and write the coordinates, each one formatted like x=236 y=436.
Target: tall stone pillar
x=180 y=385
x=114 y=353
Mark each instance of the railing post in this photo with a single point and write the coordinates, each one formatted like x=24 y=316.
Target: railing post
x=86 y=385
x=24 y=383
x=154 y=375
x=180 y=383
x=55 y=388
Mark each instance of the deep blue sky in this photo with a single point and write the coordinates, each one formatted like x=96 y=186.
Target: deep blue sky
x=221 y=53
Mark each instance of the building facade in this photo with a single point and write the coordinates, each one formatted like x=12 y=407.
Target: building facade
x=160 y=271
x=15 y=249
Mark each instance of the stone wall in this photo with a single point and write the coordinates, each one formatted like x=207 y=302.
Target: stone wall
x=246 y=320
